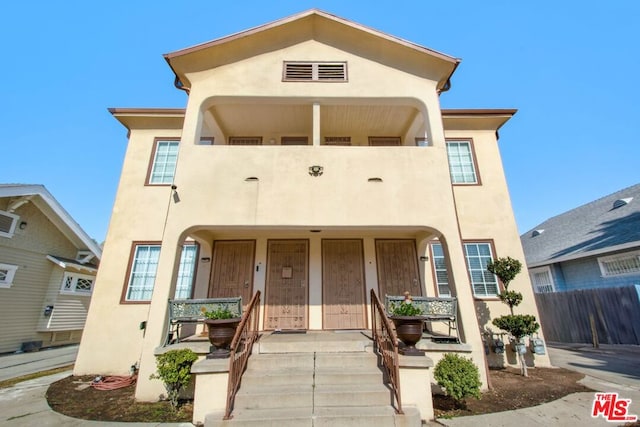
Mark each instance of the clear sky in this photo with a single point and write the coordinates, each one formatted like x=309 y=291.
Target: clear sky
x=570 y=68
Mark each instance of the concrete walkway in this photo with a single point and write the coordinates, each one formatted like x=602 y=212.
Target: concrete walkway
x=19 y=364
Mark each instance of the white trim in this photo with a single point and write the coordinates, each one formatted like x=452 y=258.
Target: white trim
x=633 y=257
x=60 y=213
x=541 y=288
x=73 y=279
x=607 y=250
x=77 y=266
x=11 y=272
x=12 y=227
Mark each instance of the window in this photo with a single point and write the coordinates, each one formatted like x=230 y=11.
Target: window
x=483 y=282
x=461 y=165
x=142 y=272
x=542 y=280
x=77 y=283
x=620 y=264
x=440 y=270
x=294 y=140
x=8 y=223
x=7 y=271
x=383 y=141
x=186 y=272
x=164 y=162
x=245 y=140
x=337 y=140
x=315 y=71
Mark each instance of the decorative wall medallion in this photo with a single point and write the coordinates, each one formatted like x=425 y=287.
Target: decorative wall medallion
x=315 y=170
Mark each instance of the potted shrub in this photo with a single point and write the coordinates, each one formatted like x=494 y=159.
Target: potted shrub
x=408 y=321
x=222 y=325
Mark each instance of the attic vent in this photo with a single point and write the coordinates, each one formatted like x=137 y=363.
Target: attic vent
x=621 y=202
x=315 y=71
x=7 y=223
x=537 y=232
x=382 y=141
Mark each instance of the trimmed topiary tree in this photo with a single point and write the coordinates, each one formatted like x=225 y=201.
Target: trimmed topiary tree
x=517 y=325
x=459 y=377
x=174 y=369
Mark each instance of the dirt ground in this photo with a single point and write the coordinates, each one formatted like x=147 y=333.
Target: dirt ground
x=72 y=397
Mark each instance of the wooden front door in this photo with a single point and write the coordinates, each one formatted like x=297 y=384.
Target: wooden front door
x=232 y=269
x=397 y=267
x=287 y=289
x=343 y=293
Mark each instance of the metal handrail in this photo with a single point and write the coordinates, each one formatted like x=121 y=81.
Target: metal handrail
x=241 y=346
x=386 y=345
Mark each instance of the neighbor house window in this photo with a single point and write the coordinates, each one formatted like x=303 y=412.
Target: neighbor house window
x=7 y=272
x=8 y=223
x=542 y=280
x=461 y=164
x=142 y=272
x=440 y=270
x=77 y=283
x=163 y=166
x=294 y=71
x=483 y=282
x=620 y=264
x=186 y=272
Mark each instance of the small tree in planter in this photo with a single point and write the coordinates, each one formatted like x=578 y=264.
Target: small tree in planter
x=174 y=369
x=459 y=377
x=517 y=325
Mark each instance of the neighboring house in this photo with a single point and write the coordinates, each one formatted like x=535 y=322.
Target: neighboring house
x=47 y=270
x=313 y=163
x=596 y=245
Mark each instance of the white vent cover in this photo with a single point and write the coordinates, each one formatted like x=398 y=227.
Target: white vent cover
x=621 y=202
x=315 y=71
x=537 y=232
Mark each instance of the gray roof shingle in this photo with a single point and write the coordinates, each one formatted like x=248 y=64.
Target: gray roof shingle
x=593 y=228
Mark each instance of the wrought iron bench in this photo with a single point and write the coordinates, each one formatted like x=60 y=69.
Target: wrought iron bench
x=183 y=311
x=433 y=309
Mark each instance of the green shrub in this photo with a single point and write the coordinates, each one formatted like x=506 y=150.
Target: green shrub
x=405 y=309
x=458 y=376
x=174 y=369
x=518 y=325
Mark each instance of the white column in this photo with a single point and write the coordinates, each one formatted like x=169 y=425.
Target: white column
x=316 y=124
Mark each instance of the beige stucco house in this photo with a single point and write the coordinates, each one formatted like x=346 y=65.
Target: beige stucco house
x=48 y=266
x=313 y=162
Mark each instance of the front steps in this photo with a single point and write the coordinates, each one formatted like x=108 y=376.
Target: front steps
x=313 y=388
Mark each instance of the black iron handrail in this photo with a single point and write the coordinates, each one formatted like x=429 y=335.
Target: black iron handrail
x=386 y=345
x=240 y=350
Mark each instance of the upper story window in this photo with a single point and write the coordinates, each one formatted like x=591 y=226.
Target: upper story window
x=7 y=272
x=384 y=141
x=245 y=140
x=8 y=223
x=461 y=163
x=542 y=280
x=76 y=283
x=163 y=166
x=483 y=282
x=620 y=264
x=296 y=71
x=440 y=270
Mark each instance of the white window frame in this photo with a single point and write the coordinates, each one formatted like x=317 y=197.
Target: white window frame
x=544 y=287
x=73 y=279
x=7 y=280
x=186 y=271
x=440 y=284
x=139 y=266
x=632 y=257
x=12 y=227
x=166 y=175
x=468 y=173
x=486 y=274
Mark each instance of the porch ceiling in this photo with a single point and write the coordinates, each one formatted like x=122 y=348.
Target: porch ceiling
x=297 y=119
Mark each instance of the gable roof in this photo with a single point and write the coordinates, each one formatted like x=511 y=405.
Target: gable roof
x=317 y=25
x=592 y=229
x=52 y=209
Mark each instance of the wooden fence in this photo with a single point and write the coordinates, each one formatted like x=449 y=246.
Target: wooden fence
x=571 y=317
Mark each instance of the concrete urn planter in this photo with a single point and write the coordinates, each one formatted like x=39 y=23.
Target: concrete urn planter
x=409 y=330
x=221 y=332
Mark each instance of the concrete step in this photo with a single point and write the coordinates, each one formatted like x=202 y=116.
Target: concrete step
x=336 y=376
x=345 y=395
x=293 y=417
x=314 y=342
x=268 y=362
x=283 y=396
x=346 y=360
x=366 y=416
x=254 y=378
